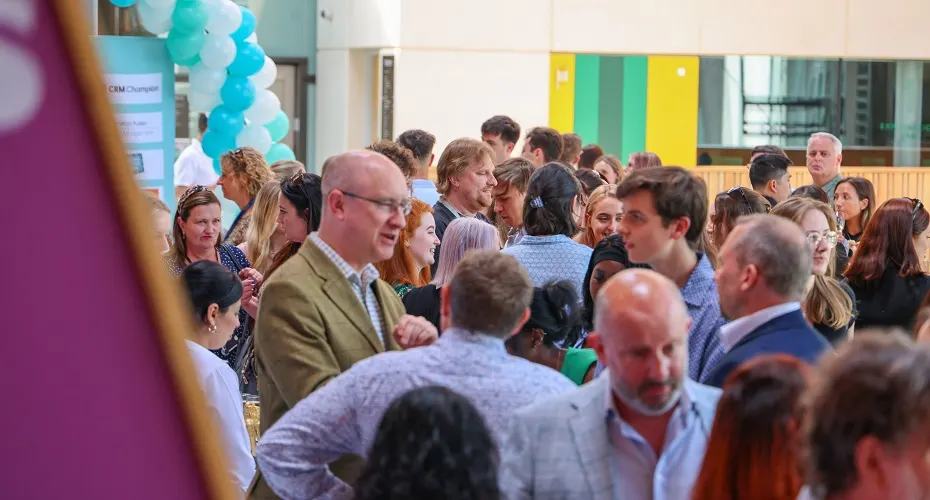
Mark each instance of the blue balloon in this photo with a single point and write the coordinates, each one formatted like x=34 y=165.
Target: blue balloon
x=225 y=121
x=184 y=46
x=217 y=166
x=190 y=17
x=249 y=59
x=215 y=144
x=247 y=27
x=238 y=93
x=123 y=3
x=279 y=152
x=279 y=126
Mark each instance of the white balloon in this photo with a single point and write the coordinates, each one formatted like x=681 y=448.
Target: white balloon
x=253 y=38
x=218 y=51
x=206 y=80
x=203 y=102
x=265 y=76
x=161 y=4
x=224 y=18
x=155 y=20
x=264 y=109
x=254 y=136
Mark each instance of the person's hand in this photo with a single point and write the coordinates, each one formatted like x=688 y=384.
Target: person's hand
x=414 y=331
x=248 y=289
x=853 y=244
x=249 y=274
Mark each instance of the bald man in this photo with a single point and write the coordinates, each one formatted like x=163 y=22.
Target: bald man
x=762 y=274
x=326 y=308
x=638 y=431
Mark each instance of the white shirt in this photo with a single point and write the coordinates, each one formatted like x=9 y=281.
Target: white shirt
x=193 y=167
x=225 y=403
x=734 y=331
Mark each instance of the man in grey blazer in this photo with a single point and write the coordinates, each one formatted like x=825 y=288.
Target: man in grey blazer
x=640 y=430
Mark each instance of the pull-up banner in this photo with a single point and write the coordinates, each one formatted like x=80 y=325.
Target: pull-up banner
x=100 y=398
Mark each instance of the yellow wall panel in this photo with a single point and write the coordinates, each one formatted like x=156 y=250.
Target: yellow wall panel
x=672 y=109
x=562 y=92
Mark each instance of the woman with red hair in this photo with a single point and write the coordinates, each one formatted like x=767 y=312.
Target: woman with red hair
x=753 y=450
x=414 y=252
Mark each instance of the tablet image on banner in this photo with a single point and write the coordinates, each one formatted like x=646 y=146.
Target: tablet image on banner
x=148 y=164
x=140 y=128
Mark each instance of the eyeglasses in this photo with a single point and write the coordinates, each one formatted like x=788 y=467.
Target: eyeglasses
x=815 y=238
x=917 y=206
x=405 y=206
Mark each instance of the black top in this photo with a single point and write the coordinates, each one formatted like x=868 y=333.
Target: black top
x=835 y=336
x=890 y=300
x=423 y=301
x=444 y=217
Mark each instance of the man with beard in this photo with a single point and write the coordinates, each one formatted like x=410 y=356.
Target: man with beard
x=638 y=431
x=762 y=273
x=465 y=175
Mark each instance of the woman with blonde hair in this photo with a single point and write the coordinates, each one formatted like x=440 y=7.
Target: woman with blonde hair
x=285 y=170
x=264 y=237
x=409 y=267
x=601 y=217
x=243 y=173
x=830 y=304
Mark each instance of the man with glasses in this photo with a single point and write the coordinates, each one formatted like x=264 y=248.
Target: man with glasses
x=762 y=274
x=325 y=308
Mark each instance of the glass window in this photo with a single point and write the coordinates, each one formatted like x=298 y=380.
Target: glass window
x=879 y=109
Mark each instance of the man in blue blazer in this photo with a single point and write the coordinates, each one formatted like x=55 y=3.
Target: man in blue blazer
x=762 y=275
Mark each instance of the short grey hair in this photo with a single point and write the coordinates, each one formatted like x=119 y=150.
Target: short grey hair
x=837 y=144
x=779 y=249
x=462 y=235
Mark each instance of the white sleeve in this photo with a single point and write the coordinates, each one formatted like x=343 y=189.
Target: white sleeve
x=185 y=170
x=223 y=396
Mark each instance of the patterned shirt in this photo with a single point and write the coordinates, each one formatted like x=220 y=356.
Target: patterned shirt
x=342 y=417
x=361 y=285
x=700 y=294
x=555 y=257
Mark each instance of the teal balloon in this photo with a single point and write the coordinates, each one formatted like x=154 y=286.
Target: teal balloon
x=214 y=144
x=238 y=93
x=279 y=152
x=279 y=126
x=225 y=121
x=217 y=166
x=247 y=27
x=249 y=59
x=123 y=3
x=184 y=46
x=188 y=62
x=190 y=17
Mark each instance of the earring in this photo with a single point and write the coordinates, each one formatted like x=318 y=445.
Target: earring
x=212 y=328
x=183 y=236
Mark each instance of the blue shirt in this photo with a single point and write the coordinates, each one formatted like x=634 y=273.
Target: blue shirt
x=636 y=469
x=425 y=191
x=556 y=257
x=700 y=294
x=342 y=417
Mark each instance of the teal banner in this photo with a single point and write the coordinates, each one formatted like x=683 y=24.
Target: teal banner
x=139 y=77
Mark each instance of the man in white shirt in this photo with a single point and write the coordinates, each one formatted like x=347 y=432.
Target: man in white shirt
x=193 y=167
x=421 y=143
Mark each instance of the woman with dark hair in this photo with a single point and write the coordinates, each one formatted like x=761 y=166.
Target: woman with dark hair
x=812 y=191
x=197 y=231
x=432 y=443
x=753 y=449
x=885 y=272
x=215 y=294
x=300 y=206
x=589 y=155
x=608 y=258
x=243 y=172
x=555 y=320
x=854 y=200
x=731 y=205
x=549 y=217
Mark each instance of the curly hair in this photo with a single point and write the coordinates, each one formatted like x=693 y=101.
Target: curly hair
x=398 y=154
x=250 y=165
x=431 y=443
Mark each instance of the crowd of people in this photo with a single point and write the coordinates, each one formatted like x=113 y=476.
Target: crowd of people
x=556 y=325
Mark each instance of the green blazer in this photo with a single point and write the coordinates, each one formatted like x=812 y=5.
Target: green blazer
x=311 y=327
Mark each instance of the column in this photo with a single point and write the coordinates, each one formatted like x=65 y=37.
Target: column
x=907 y=112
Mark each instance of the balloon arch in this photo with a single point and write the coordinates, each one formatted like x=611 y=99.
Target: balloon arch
x=230 y=74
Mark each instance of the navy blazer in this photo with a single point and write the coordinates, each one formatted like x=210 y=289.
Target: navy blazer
x=786 y=334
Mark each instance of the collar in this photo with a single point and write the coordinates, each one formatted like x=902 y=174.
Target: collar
x=684 y=410
x=702 y=278
x=734 y=331
x=369 y=272
x=480 y=340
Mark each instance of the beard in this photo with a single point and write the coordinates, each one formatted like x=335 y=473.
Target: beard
x=634 y=400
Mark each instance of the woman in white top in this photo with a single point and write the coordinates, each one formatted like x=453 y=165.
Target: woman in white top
x=215 y=293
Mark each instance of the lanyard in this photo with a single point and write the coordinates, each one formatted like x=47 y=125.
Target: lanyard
x=236 y=220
